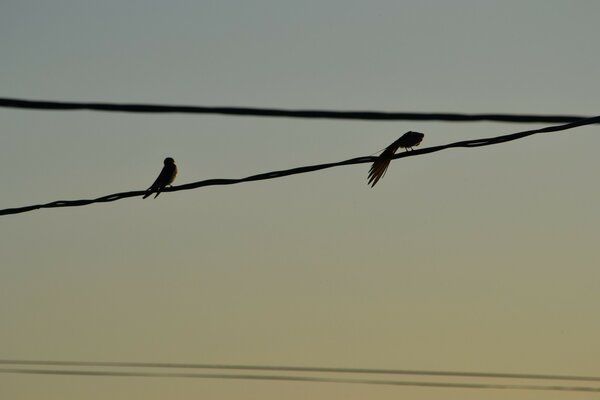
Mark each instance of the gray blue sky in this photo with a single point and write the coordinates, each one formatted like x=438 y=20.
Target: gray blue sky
x=469 y=259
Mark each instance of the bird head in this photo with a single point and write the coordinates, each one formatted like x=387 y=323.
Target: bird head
x=169 y=160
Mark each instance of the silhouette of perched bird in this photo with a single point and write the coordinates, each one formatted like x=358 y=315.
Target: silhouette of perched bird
x=166 y=177
x=379 y=167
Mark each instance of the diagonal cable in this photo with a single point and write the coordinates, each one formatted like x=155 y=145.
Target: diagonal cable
x=306 y=369
x=309 y=168
x=291 y=378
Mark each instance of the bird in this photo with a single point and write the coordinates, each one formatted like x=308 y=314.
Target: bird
x=166 y=177
x=380 y=165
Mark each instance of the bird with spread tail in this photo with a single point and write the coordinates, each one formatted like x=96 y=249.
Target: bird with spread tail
x=166 y=177
x=380 y=165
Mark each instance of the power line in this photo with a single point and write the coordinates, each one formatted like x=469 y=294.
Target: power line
x=305 y=169
x=131 y=374
x=287 y=113
x=284 y=368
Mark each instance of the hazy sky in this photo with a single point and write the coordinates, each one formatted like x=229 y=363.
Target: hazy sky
x=479 y=259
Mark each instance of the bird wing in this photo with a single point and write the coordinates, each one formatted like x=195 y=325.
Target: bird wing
x=161 y=181
x=166 y=177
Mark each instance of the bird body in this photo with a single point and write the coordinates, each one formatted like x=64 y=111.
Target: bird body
x=166 y=177
x=379 y=167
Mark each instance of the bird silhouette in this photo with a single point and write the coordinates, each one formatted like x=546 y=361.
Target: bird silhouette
x=380 y=165
x=166 y=177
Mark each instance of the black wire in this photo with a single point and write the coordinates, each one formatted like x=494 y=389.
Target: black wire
x=306 y=169
x=288 y=378
x=282 y=368
x=275 y=112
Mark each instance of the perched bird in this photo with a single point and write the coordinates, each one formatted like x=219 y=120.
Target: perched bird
x=166 y=177
x=406 y=141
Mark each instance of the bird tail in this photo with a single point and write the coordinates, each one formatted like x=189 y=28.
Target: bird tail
x=378 y=170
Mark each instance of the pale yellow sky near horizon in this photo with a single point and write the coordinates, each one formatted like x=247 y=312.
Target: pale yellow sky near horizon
x=479 y=259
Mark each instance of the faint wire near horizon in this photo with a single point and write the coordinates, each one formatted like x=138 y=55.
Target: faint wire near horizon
x=305 y=169
x=296 y=378
x=283 y=113
x=292 y=368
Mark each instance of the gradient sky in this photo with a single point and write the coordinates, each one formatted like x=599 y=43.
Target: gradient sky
x=465 y=260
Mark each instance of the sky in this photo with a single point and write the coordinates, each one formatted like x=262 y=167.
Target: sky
x=482 y=259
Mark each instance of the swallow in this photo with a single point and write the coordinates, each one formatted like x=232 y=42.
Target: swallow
x=380 y=165
x=166 y=177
